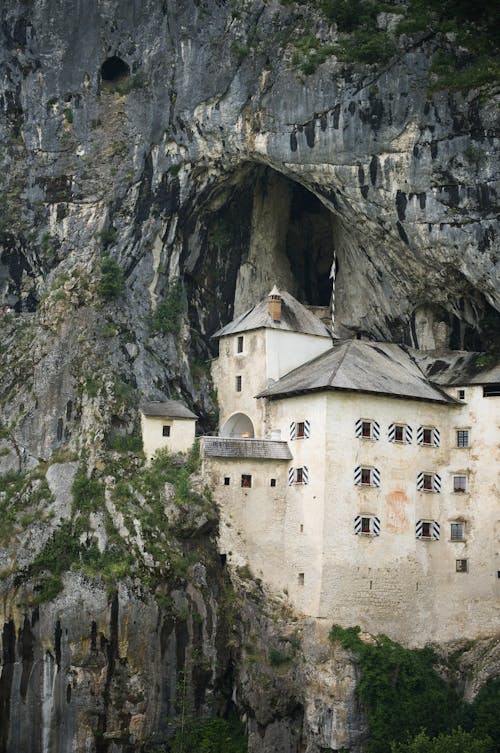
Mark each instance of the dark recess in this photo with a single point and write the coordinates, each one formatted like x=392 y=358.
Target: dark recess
x=114 y=69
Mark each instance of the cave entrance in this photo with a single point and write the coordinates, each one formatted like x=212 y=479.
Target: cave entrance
x=114 y=69
x=264 y=229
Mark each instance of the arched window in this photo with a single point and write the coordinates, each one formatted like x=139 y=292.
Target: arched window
x=238 y=425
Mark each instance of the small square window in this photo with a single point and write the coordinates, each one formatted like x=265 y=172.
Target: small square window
x=462 y=437
x=427 y=485
x=273 y=482
x=461 y=394
x=166 y=431
x=399 y=433
x=459 y=483
x=227 y=480
x=427 y=436
x=246 y=480
x=366 y=476
x=457 y=532
x=426 y=530
x=300 y=579
x=238 y=383
x=239 y=344
x=462 y=566
x=299 y=431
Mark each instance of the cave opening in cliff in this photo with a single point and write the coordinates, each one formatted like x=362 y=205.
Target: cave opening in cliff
x=262 y=229
x=114 y=69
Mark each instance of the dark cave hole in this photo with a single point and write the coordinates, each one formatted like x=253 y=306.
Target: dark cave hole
x=114 y=69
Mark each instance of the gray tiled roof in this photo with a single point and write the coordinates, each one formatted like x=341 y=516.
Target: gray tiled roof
x=294 y=318
x=260 y=449
x=457 y=367
x=362 y=366
x=167 y=409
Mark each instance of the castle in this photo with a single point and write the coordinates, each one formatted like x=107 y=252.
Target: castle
x=358 y=477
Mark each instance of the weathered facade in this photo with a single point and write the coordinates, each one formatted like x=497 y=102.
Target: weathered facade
x=167 y=425
x=387 y=513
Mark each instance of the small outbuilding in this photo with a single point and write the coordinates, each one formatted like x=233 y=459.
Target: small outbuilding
x=168 y=424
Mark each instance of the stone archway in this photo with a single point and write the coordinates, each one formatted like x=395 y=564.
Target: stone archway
x=239 y=425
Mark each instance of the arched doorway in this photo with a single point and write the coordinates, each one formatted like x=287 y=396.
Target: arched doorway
x=239 y=425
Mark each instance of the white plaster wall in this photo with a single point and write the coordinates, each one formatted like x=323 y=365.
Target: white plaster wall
x=287 y=350
x=182 y=433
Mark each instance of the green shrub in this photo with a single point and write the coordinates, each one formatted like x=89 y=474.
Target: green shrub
x=125 y=442
x=111 y=284
x=68 y=115
x=167 y=317
x=210 y=736
x=278 y=658
x=457 y=741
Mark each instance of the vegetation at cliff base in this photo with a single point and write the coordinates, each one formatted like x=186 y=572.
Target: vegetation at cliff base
x=410 y=706
x=210 y=736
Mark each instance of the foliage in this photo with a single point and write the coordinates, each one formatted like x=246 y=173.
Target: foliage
x=125 y=442
x=167 y=317
x=457 y=741
x=107 y=236
x=483 y=717
x=68 y=115
x=278 y=658
x=210 y=736
x=400 y=689
x=111 y=284
x=366 y=46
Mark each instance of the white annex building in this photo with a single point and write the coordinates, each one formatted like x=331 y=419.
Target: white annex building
x=360 y=478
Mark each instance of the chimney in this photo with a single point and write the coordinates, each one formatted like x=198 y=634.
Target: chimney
x=274 y=304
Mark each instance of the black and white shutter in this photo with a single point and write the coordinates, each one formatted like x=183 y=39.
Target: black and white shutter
x=374 y=524
x=358 y=427
x=376 y=430
x=305 y=474
x=291 y=476
x=391 y=432
x=375 y=477
x=436 y=437
x=293 y=430
x=408 y=434
x=436 y=483
x=307 y=428
x=435 y=529
x=357 y=475
x=420 y=435
x=420 y=481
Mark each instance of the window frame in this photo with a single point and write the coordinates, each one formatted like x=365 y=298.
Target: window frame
x=463 y=567
x=166 y=430
x=364 y=470
x=369 y=525
x=227 y=481
x=238 y=383
x=246 y=481
x=459 y=476
x=300 y=430
x=457 y=524
x=272 y=483
x=369 y=434
x=430 y=487
x=402 y=427
x=458 y=438
x=425 y=430
x=240 y=344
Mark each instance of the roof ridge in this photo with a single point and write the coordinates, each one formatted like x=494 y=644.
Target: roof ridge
x=341 y=359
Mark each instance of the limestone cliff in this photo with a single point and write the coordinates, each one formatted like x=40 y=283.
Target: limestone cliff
x=163 y=164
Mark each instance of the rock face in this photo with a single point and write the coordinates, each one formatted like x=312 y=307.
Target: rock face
x=180 y=140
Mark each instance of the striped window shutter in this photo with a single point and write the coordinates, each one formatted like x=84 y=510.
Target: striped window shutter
x=376 y=477
x=305 y=474
x=376 y=430
x=376 y=525
x=307 y=428
x=291 y=476
x=436 y=482
x=418 y=529
x=391 y=432
x=358 y=426
x=293 y=430
x=436 y=437
x=357 y=524
x=420 y=481
x=420 y=435
x=357 y=474
x=408 y=434
x=436 y=530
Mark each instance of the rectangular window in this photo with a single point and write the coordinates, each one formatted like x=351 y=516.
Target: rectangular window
x=426 y=530
x=366 y=429
x=491 y=390
x=239 y=344
x=428 y=482
x=366 y=476
x=273 y=482
x=299 y=475
x=238 y=383
x=462 y=438
x=457 y=531
x=227 y=480
x=461 y=394
x=166 y=431
x=462 y=566
x=459 y=483
x=427 y=436
x=399 y=433
x=300 y=579
x=365 y=525
x=246 y=480
x=300 y=430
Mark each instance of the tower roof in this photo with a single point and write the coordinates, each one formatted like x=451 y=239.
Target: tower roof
x=294 y=318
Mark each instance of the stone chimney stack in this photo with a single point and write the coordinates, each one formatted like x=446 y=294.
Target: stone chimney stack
x=274 y=304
